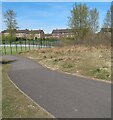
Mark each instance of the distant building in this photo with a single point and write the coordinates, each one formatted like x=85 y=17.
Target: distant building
x=105 y=29
x=35 y=34
x=48 y=35
x=31 y=34
x=5 y=33
x=61 y=33
x=22 y=33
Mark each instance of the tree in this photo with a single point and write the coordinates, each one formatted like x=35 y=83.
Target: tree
x=94 y=20
x=107 y=20
x=112 y=16
x=106 y=28
x=11 y=23
x=78 y=21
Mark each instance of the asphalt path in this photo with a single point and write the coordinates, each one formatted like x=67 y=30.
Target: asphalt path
x=63 y=95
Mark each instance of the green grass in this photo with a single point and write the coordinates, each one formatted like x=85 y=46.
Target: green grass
x=94 y=62
x=15 y=104
x=0 y=91
x=7 y=50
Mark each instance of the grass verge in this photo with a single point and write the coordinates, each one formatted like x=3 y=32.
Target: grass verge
x=94 y=62
x=7 y=50
x=15 y=104
x=0 y=92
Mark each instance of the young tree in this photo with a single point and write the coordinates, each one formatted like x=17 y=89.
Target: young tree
x=78 y=21
x=106 y=28
x=11 y=23
x=107 y=20
x=94 y=20
x=112 y=16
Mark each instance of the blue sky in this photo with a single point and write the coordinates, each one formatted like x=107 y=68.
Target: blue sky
x=48 y=15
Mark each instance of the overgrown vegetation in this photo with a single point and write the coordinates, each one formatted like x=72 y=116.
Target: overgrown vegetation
x=98 y=39
x=15 y=104
x=84 y=23
x=87 y=61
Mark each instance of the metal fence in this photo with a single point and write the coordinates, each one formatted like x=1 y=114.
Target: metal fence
x=20 y=45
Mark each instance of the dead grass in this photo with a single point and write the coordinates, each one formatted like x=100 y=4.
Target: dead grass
x=93 y=62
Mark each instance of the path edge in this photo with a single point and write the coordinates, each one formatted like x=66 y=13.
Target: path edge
x=73 y=74
x=28 y=96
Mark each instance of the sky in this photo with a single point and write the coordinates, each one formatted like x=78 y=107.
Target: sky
x=47 y=15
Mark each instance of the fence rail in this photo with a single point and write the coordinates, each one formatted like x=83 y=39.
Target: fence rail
x=12 y=47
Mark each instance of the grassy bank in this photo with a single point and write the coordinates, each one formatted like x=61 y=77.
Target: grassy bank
x=94 y=62
x=15 y=104
x=0 y=92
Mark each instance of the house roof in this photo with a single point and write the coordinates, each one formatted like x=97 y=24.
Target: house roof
x=22 y=31
x=36 y=31
x=48 y=35
x=62 y=31
x=26 y=31
x=5 y=31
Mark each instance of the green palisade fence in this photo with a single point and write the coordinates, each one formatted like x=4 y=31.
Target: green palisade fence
x=20 y=45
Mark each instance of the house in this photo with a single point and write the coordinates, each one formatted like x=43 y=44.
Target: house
x=62 y=33
x=5 y=33
x=48 y=35
x=22 y=33
x=31 y=34
x=105 y=29
x=37 y=34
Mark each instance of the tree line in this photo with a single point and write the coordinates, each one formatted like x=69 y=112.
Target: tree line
x=83 y=21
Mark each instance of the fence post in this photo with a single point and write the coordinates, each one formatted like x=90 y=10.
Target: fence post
x=10 y=47
x=46 y=43
x=50 y=43
x=16 y=45
x=25 y=43
x=29 y=44
x=33 y=43
x=36 y=43
x=58 y=43
x=4 y=47
x=41 y=43
x=20 y=45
